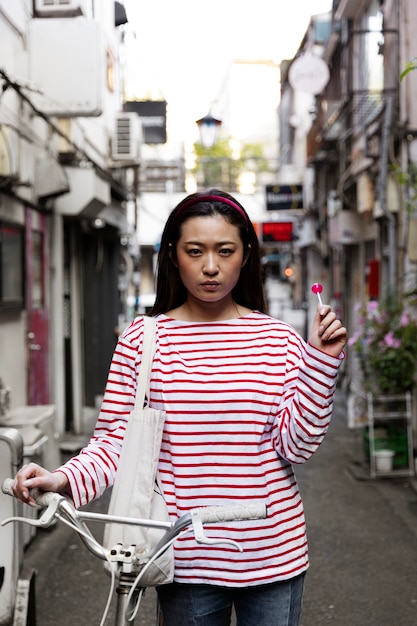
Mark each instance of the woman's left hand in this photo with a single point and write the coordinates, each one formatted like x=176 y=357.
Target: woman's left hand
x=327 y=333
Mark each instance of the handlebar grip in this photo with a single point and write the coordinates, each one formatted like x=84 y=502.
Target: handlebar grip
x=42 y=498
x=232 y=513
x=7 y=486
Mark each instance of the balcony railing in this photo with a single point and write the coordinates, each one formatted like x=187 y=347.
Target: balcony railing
x=351 y=116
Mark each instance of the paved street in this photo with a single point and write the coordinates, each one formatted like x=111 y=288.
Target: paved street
x=363 y=549
x=363 y=538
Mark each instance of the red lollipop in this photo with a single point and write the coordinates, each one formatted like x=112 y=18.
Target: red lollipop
x=317 y=289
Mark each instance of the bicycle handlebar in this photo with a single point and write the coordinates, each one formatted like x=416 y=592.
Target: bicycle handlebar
x=122 y=561
x=7 y=486
x=231 y=513
x=57 y=504
x=42 y=498
x=213 y=514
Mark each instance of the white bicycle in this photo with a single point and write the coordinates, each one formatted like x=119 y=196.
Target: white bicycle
x=124 y=567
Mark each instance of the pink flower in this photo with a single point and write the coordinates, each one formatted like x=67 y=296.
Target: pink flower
x=405 y=319
x=391 y=341
x=372 y=306
x=354 y=338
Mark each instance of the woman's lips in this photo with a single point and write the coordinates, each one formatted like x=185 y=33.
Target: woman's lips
x=210 y=286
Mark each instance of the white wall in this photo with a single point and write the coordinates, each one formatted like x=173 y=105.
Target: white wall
x=13 y=357
x=31 y=137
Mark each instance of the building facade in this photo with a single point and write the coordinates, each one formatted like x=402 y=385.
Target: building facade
x=68 y=155
x=359 y=134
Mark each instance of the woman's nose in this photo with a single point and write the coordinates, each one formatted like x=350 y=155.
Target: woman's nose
x=210 y=264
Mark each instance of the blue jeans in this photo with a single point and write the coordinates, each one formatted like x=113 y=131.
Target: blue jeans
x=276 y=604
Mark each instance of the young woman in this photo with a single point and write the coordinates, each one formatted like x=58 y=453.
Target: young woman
x=245 y=399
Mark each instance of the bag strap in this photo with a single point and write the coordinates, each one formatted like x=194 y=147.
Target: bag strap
x=148 y=351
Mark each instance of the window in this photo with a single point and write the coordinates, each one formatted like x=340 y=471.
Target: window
x=371 y=62
x=11 y=267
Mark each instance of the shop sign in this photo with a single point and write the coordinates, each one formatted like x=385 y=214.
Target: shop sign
x=284 y=197
x=276 y=232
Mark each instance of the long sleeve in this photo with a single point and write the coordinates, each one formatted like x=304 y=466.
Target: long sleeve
x=305 y=411
x=92 y=471
x=245 y=399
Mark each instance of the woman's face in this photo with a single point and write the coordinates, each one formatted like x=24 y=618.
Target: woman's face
x=209 y=256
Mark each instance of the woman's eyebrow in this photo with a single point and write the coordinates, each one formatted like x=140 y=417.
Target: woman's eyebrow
x=217 y=243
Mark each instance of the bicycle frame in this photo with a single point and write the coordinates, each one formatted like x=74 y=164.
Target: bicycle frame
x=124 y=566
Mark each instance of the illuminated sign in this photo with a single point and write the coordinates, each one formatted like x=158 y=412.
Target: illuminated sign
x=273 y=232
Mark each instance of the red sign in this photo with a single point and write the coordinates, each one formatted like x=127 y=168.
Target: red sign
x=276 y=232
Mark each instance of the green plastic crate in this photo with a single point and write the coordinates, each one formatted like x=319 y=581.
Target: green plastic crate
x=393 y=440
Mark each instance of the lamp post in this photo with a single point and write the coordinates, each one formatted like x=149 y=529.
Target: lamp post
x=208 y=127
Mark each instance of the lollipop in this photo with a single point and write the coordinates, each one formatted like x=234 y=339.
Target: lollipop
x=317 y=289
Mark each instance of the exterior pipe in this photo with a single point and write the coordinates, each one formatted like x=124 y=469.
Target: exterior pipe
x=382 y=194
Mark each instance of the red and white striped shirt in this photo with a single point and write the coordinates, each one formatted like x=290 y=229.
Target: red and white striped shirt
x=244 y=399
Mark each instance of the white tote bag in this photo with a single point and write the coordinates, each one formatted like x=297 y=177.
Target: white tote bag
x=136 y=492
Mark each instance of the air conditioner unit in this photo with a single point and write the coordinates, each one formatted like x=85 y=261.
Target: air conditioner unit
x=126 y=141
x=60 y=8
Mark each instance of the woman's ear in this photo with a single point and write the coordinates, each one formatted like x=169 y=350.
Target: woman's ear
x=171 y=254
x=246 y=255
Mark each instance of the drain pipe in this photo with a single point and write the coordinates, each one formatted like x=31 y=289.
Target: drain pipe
x=382 y=194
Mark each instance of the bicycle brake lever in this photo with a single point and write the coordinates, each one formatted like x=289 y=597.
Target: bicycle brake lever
x=45 y=519
x=31 y=522
x=201 y=537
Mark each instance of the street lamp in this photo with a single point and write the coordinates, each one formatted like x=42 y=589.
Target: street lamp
x=208 y=127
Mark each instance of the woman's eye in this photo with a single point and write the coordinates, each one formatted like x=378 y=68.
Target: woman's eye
x=226 y=251
x=194 y=251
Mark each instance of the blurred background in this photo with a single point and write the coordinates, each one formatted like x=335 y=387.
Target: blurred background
x=111 y=112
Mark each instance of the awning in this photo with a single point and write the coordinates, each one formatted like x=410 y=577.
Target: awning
x=50 y=178
x=88 y=193
x=114 y=216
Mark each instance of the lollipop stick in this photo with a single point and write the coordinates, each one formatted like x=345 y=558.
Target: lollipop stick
x=317 y=289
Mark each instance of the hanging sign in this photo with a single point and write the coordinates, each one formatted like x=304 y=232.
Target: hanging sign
x=284 y=197
x=309 y=73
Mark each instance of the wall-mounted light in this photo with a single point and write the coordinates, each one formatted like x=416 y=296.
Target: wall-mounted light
x=208 y=127
x=98 y=223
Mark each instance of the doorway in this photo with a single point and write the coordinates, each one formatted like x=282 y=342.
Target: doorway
x=37 y=309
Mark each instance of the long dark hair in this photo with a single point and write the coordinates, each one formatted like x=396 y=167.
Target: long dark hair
x=170 y=291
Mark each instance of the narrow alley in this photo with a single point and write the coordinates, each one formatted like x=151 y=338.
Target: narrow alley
x=363 y=546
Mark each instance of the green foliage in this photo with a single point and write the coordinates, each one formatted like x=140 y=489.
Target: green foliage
x=219 y=167
x=221 y=149
x=252 y=158
x=408 y=180
x=386 y=345
x=410 y=66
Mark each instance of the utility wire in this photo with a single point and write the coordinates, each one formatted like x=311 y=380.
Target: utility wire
x=18 y=88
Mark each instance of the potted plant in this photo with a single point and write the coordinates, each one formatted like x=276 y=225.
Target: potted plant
x=386 y=345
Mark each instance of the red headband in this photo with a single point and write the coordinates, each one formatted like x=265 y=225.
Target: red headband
x=199 y=199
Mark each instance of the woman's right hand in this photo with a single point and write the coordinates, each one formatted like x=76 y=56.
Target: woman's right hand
x=33 y=476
